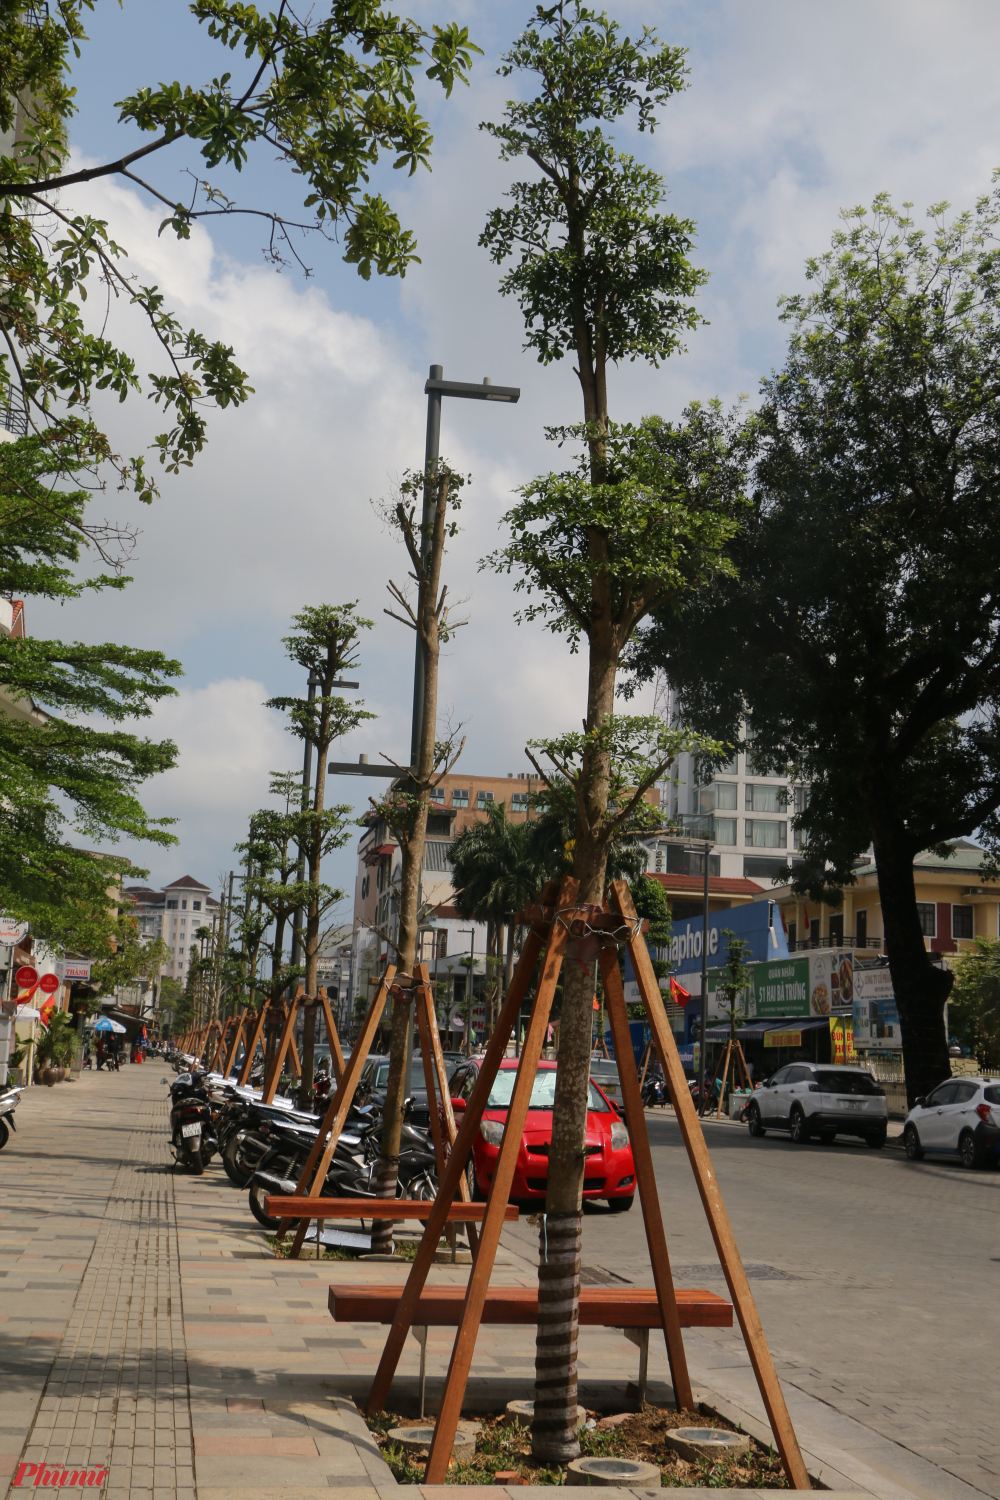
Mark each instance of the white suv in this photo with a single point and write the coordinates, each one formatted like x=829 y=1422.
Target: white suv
x=961 y=1117
x=809 y=1099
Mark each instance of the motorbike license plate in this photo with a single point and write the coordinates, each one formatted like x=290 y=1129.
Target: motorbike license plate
x=187 y=1130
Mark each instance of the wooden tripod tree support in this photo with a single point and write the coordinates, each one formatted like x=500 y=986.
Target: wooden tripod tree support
x=251 y=1052
x=734 y=1054
x=239 y=1035
x=287 y=1040
x=551 y=925
x=332 y=1036
x=310 y=1184
x=220 y=1046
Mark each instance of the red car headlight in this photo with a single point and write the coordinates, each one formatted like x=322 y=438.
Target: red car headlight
x=492 y=1131
x=619 y=1136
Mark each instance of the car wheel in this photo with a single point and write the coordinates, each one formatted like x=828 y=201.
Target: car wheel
x=755 y=1124
x=621 y=1205
x=799 y=1128
x=968 y=1151
x=911 y=1144
x=470 y=1176
x=876 y=1139
x=827 y=1136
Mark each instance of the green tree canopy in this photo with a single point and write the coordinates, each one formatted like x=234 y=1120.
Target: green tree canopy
x=860 y=632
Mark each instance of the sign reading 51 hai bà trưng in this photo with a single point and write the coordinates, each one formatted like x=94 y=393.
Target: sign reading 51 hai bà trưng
x=817 y=985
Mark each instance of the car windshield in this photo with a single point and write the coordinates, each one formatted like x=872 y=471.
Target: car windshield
x=542 y=1092
x=381 y=1076
x=837 y=1081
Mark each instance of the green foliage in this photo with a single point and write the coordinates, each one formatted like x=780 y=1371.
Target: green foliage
x=56 y=1043
x=324 y=643
x=858 y=631
x=495 y=865
x=974 y=1003
x=131 y=960
x=330 y=95
x=732 y=983
x=597 y=557
x=69 y=770
x=601 y=273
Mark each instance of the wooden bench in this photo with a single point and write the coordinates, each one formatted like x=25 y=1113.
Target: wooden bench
x=635 y=1310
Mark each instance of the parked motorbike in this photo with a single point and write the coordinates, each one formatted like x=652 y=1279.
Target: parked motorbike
x=9 y=1096
x=654 y=1091
x=192 y=1135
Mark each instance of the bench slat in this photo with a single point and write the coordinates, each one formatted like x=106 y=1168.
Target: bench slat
x=610 y=1307
x=279 y=1206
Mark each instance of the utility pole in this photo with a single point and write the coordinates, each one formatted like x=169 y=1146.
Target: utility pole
x=307 y=757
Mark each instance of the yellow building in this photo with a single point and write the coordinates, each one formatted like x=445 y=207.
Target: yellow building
x=955 y=903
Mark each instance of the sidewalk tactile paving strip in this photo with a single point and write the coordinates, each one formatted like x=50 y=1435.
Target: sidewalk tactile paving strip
x=117 y=1393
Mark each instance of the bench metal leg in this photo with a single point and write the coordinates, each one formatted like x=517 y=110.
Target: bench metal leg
x=419 y=1332
x=640 y=1337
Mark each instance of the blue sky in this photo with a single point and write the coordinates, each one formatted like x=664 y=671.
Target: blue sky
x=794 y=111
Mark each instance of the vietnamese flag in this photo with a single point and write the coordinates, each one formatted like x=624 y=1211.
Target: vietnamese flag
x=46 y=1011
x=678 y=993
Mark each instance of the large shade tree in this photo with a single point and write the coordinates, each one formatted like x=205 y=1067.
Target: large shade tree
x=859 y=632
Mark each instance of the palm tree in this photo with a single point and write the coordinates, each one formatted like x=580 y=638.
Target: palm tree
x=497 y=868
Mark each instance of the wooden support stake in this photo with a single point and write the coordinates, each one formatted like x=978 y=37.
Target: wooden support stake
x=219 y=1047
x=441 y=1071
x=495 y=1052
x=252 y=1046
x=239 y=1033
x=725 y=1076
x=332 y=1037
x=271 y=1082
x=313 y=1174
x=614 y=998
x=464 y=1346
x=711 y=1197
x=435 y=1070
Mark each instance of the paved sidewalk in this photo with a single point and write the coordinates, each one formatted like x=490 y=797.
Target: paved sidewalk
x=145 y=1326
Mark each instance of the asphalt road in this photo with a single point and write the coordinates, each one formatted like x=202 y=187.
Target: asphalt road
x=877 y=1280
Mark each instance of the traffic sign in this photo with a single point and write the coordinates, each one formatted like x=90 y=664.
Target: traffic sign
x=26 y=976
x=49 y=983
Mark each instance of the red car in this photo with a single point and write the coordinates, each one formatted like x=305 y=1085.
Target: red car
x=610 y=1170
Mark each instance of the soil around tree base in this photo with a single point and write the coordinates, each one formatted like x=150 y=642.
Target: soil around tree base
x=636 y=1435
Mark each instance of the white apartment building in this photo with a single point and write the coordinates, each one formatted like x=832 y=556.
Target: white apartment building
x=747 y=813
x=174 y=914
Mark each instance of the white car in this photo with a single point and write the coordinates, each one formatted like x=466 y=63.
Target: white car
x=961 y=1117
x=816 y=1099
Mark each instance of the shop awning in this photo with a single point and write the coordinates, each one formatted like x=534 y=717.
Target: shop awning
x=754 y=1031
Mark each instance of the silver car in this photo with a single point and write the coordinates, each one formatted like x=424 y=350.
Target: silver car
x=961 y=1117
x=821 y=1100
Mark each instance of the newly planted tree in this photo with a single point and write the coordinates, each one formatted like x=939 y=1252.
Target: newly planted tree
x=324 y=644
x=405 y=808
x=602 y=275
x=860 y=632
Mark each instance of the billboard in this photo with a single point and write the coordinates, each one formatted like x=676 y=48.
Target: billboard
x=876 y=1017
x=758 y=923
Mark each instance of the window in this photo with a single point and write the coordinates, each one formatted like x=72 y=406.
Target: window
x=780 y=1077
x=927 y=914
x=184 y=906
x=519 y=802
x=459 y=798
x=196 y=906
x=722 y=795
x=964 y=1092
x=800 y=838
x=961 y=921
x=724 y=831
x=837 y=931
x=991 y=1094
x=483 y=799
x=171 y=906
x=799 y=1074
x=943 y=1094
x=835 y=1082
x=861 y=928
x=437 y=794
x=793 y=933
x=800 y=798
x=766 y=833
x=763 y=798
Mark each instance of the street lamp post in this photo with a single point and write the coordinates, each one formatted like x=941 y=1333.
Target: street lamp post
x=469 y=988
x=314 y=683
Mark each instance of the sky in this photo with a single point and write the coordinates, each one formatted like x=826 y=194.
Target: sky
x=793 y=112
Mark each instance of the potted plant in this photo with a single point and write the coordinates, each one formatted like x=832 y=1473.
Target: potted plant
x=54 y=1048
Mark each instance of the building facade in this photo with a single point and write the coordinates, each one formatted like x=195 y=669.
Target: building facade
x=174 y=914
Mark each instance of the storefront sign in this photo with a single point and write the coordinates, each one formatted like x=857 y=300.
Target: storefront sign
x=842 y=1040
x=71 y=970
x=758 y=923
x=11 y=932
x=876 y=1018
x=780 y=989
x=783 y=1039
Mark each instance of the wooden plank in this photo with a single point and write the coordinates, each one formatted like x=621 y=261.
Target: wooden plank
x=634 y=1307
x=656 y=1239
x=314 y=1172
x=239 y=1032
x=220 y=1047
x=495 y=1052
x=302 y=1206
x=711 y=1197
x=271 y=1082
x=441 y=1074
x=292 y=1048
x=464 y=1347
x=252 y=1046
x=332 y=1036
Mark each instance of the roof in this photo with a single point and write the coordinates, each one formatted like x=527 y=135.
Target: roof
x=187 y=882
x=967 y=858
x=718 y=885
